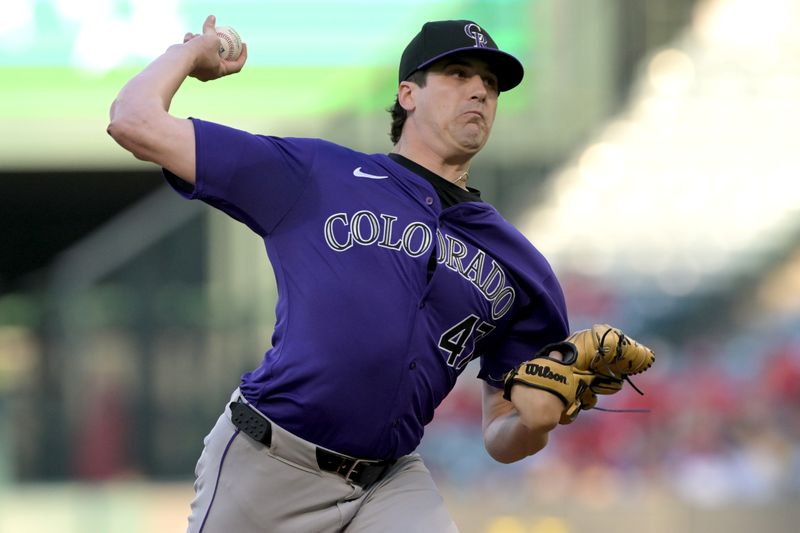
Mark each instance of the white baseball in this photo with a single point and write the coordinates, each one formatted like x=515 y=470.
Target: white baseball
x=230 y=44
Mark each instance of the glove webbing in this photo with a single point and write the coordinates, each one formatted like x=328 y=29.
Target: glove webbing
x=611 y=374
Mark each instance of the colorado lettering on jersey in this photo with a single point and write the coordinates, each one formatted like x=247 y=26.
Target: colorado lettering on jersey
x=365 y=228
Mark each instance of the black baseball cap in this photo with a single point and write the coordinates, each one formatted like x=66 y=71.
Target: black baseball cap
x=443 y=38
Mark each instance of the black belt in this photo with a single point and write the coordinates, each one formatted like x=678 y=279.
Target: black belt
x=362 y=472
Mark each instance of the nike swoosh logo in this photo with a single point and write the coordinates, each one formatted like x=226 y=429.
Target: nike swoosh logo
x=357 y=173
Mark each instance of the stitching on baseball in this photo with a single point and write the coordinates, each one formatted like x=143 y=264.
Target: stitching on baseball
x=230 y=45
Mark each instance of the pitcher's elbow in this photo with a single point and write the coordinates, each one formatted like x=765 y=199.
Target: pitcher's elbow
x=114 y=130
x=129 y=135
x=118 y=127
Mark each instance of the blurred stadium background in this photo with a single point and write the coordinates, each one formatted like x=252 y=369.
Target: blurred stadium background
x=652 y=153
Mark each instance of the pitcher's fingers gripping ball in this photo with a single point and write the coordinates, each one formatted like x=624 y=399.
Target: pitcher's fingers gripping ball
x=608 y=352
x=230 y=44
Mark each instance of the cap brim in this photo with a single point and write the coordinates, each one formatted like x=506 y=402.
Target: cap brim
x=507 y=68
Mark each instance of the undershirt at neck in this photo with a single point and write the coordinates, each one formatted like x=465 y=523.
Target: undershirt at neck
x=449 y=193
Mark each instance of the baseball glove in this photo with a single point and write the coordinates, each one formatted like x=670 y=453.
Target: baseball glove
x=609 y=353
x=572 y=385
x=595 y=361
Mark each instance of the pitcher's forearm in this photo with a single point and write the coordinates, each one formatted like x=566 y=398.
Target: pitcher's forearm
x=154 y=87
x=508 y=440
x=519 y=428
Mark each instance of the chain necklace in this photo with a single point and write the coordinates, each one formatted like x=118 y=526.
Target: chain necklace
x=463 y=177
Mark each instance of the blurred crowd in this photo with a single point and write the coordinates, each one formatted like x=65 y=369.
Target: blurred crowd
x=722 y=426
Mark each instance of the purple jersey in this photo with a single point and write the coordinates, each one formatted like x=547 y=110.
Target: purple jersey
x=383 y=296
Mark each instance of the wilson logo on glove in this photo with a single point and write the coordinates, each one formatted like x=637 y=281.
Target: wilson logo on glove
x=544 y=371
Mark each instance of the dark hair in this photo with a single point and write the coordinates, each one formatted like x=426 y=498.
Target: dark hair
x=399 y=114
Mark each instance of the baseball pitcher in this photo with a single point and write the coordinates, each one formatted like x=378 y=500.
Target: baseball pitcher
x=392 y=275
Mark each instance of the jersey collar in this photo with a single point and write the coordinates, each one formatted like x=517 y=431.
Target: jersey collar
x=449 y=193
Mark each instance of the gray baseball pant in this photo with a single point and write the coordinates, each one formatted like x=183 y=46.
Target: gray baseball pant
x=244 y=486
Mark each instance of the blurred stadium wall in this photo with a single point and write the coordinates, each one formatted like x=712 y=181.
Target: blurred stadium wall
x=650 y=153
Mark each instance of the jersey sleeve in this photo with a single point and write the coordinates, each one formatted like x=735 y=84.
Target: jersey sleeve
x=542 y=321
x=255 y=179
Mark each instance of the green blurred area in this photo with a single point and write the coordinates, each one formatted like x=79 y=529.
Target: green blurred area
x=62 y=64
x=269 y=92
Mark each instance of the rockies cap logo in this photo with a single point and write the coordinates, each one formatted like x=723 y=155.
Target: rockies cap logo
x=474 y=31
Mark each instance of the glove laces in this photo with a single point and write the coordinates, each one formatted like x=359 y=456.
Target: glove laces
x=625 y=377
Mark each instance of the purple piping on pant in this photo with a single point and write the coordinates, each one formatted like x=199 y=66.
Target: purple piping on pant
x=216 y=484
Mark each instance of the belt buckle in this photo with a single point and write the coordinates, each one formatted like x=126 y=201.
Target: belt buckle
x=352 y=469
